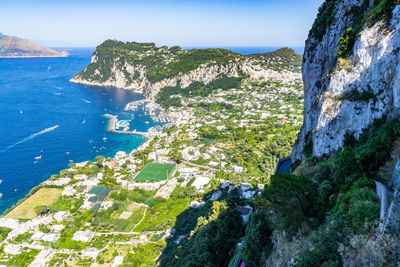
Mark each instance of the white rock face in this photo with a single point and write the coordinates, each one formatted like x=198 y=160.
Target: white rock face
x=204 y=73
x=375 y=68
x=122 y=77
x=257 y=72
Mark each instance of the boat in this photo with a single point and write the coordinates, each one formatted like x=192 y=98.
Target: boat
x=84 y=121
x=104 y=138
x=38 y=157
x=67 y=153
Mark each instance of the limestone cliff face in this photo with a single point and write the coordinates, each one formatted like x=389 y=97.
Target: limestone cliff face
x=203 y=73
x=373 y=70
x=146 y=69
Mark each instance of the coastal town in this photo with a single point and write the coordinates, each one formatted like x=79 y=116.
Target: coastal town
x=124 y=209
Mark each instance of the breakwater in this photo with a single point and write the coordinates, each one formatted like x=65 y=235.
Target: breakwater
x=112 y=127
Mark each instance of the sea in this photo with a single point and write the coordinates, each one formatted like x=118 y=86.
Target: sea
x=47 y=122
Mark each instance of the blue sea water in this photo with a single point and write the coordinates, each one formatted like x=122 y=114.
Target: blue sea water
x=43 y=114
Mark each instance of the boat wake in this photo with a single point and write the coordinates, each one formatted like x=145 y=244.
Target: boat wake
x=31 y=137
x=86 y=101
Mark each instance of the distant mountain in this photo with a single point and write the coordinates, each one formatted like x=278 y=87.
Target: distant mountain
x=12 y=47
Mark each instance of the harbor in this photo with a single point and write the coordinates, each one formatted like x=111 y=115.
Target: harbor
x=152 y=109
x=114 y=124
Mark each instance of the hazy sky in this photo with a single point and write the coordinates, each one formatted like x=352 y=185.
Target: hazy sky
x=166 y=22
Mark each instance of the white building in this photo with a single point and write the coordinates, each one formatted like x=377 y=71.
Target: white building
x=37 y=236
x=190 y=153
x=57 y=227
x=80 y=177
x=83 y=236
x=196 y=204
x=201 y=181
x=245 y=187
x=59 y=182
x=118 y=261
x=69 y=191
x=91 y=252
x=12 y=249
x=61 y=216
x=237 y=169
x=81 y=164
x=50 y=237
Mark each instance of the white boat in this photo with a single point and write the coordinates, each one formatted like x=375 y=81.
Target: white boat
x=67 y=153
x=38 y=157
x=84 y=121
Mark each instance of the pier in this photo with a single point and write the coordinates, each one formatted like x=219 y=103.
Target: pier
x=112 y=123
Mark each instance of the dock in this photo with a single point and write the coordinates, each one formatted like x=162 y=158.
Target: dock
x=112 y=122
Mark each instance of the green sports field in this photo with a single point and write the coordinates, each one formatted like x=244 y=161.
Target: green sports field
x=154 y=172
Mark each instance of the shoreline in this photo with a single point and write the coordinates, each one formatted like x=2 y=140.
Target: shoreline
x=85 y=82
x=111 y=127
x=33 y=56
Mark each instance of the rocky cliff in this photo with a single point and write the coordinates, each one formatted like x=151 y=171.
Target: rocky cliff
x=346 y=91
x=148 y=69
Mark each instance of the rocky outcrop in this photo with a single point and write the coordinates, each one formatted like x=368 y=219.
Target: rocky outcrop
x=120 y=77
x=390 y=203
x=144 y=68
x=371 y=77
x=203 y=73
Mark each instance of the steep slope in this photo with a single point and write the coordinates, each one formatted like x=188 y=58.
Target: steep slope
x=340 y=206
x=349 y=82
x=11 y=47
x=147 y=69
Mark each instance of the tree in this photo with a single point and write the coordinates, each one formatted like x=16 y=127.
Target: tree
x=258 y=244
x=291 y=198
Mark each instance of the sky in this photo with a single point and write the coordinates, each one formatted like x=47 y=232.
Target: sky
x=228 y=23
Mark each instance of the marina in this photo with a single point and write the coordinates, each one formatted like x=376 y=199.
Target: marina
x=114 y=124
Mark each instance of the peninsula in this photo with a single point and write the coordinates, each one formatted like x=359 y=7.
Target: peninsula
x=13 y=47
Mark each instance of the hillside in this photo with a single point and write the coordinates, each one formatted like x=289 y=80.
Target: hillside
x=148 y=69
x=184 y=197
x=340 y=206
x=12 y=47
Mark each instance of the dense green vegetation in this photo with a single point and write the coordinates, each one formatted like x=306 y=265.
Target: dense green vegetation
x=23 y=259
x=363 y=16
x=257 y=247
x=324 y=20
x=157 y=67
x=163 y=62
x=335 y=196
x=165 y=98
x=287 y=57
x=355 y=95
x=4 y=232
x=208 y=234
